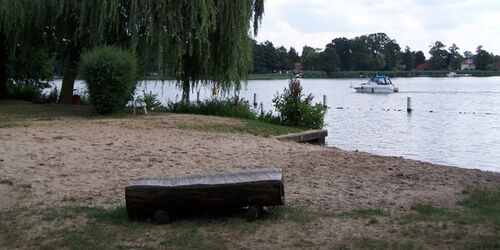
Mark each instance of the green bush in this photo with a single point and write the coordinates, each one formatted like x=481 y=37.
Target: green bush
x=24 y=91
x=151 y=100
x=295 y=109
x=111 y=77
x=227 y=108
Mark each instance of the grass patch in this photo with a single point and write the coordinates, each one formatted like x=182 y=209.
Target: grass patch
x=371 y=243
x=216 y=107
x=428 y=213
x=480 y=207
x=15 y=113
x=297 y=215
x=363 y=214
x=253 y=127
x=183 y=237
x=6 y=182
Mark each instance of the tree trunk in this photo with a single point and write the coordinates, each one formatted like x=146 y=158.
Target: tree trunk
x=68 y=83
x=186 y=89
x=3 y=66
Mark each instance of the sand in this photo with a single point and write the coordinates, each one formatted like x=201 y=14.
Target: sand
x=91 y=161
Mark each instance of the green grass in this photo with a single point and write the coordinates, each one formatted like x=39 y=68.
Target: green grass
x=82 y=227
x=246 y=126
x=6 y=182
x=298 y=215
x=480 y=207
x=363 y=214
x=215 y=107
x=20 y=113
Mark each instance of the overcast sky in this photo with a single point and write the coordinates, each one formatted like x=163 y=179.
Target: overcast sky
x=416 y=23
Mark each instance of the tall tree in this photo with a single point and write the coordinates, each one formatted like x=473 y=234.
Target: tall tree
x=361 y=57
x=455 y=58
x=328 y=60
x=419 y=58
x=284 y=61
x=391 y=52
x=293 y=55
x=309 y=58
x=439 y=56
x=482 y=58
x=205 y=41
x=409 y=59
x=343 y=48
x=19 y=20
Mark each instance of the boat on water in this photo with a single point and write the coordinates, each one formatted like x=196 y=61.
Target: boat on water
x=376 y=84
x=454 y=74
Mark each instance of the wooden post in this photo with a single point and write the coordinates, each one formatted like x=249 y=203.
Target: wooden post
x=255 y=100
x=408 y=105
x=325 y=105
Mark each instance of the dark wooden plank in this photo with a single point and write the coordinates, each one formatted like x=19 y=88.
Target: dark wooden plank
x=307 y=136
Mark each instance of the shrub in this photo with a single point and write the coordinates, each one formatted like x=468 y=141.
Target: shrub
x=151 y=100
x=25 y=91
x=227 y=108
x=111 y=76
x=295 y=109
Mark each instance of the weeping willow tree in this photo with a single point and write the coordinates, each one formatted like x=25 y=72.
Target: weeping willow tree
x=75 y=26
x=203 y=41
x=17 y=19
x=198 y=42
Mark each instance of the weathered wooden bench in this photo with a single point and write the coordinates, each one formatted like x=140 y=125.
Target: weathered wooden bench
x=163 y=198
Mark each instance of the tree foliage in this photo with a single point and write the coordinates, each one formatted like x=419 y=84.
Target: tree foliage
x=203 y=41
x=482 y=58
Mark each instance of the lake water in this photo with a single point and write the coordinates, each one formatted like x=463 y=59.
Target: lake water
x=455 y=121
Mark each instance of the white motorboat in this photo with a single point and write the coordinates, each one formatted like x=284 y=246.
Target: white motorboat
x=377 y=84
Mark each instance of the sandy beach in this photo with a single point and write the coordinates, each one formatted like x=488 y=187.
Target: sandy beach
x=91 y=161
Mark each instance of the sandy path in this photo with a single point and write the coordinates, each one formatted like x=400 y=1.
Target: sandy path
x=91 y=161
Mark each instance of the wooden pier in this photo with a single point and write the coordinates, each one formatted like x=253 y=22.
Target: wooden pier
x=310 y=136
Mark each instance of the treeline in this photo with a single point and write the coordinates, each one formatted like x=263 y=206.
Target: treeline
x=373 y=52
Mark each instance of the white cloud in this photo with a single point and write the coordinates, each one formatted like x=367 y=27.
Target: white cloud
x=416 y=23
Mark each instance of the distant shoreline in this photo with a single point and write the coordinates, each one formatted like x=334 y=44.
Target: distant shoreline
x=363 y=74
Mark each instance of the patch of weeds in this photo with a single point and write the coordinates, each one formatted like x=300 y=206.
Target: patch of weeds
x=304 y=244
x=482 y=206
x=6 y=182
x=182 y=237
x=372 y=221
x=370 y=243
x=298 y=215
x=413 y=231
x=114 y=216
x=480 y=242
x=363 y=214
x=428 y=213
x=253 y=127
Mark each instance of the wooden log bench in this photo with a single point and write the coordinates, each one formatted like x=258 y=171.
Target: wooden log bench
x=163 y=198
